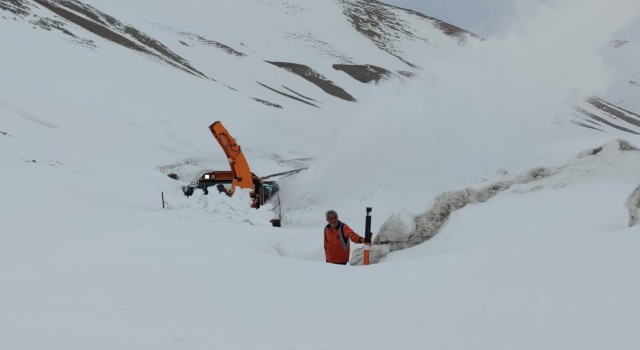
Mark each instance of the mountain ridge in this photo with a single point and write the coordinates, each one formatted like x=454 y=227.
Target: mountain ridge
x=387 y=27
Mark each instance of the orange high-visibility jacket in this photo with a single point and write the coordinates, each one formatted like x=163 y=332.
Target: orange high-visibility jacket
x=336 y=243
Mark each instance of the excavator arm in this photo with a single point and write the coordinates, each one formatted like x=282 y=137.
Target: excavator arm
x=239 y=176
x=239 y=167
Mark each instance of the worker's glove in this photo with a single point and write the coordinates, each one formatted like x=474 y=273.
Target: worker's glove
x=361 y=240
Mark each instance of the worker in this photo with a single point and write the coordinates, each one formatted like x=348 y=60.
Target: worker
x=336 y=239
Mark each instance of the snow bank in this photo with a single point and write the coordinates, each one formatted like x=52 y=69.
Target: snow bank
x=401 y=231
x=220 y=207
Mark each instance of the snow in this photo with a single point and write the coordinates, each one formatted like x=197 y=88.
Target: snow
x=90 y=260
x=397 y=227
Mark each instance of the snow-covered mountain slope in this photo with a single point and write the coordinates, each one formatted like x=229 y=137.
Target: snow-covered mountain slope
x=100 y=100
x=143 y=82
x=266 y=58
x=262 y=58
x=367 y=41
x=229 y=44
x=108 y=75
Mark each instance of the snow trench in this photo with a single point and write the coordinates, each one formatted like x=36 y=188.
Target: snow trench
x=403 y=230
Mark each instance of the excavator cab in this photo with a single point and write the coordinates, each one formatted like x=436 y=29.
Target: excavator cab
x=240 y=176
x=223 y=182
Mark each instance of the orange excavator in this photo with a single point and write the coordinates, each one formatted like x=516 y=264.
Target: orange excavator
x=240 y=175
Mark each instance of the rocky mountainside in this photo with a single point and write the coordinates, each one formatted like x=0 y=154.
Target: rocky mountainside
x=395 y=32
x=222 y=47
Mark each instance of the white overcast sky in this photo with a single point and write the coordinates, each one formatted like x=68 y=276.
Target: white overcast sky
x=482 y=17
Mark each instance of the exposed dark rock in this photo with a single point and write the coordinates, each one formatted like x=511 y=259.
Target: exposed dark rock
x=213 y=43
x=364 y=73
x=609 y=115
x=379 y=23
x=99 y=24
x=303 y=96
x=17 y=7
x=406 y=74
x=615 y=110
x=287 y=95
x=619 y=43
x=620 y=113
x=85 y=10
x=270 y=104
x=447 y=28
x=591 y=125
x=51 y=24
x=316 y=78
x=600 y=121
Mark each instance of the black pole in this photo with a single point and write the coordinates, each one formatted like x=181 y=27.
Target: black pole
x=367 y=228
x=162 y=193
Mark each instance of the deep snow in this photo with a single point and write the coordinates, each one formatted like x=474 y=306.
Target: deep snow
x=90 y=260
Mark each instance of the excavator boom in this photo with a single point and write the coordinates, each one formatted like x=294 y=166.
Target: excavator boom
x=239 y=167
